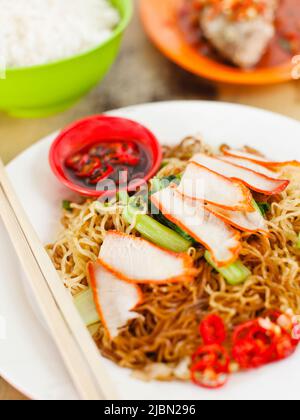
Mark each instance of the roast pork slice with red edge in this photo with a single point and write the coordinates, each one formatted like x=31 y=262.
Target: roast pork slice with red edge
x=115 y=299
x=202 y=184
x=136 y=260
x=259 y=160
x=255 y=181
x=247 y=222
x=219 y=238
x=251 y=165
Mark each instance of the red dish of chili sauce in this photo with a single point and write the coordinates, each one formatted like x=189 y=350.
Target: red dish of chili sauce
x=115 y=160
x=284 y=45
x=101 y=148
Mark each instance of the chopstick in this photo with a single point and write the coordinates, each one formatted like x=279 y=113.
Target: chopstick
x=77 y=349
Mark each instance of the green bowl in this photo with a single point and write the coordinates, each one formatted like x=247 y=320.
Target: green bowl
x=44 y=90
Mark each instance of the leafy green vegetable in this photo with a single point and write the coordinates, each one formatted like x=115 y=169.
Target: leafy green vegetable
x=173 y=179
x=155 y=232
x=158 y=184
x=85 y=304
x=164 y=164
x=263 y=208
x=298 y=242
x=66 y=204
x=171 y=238
x=155 y=185
x=123 y=197
x=234 y=274
x=162 y=219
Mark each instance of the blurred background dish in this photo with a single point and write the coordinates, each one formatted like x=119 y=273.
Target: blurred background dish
x=174 y=27
x=69 y=27
x=46 y=89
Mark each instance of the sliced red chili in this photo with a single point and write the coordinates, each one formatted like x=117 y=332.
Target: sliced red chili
x=100 y=174
x=284 y=321
x=253 y=346
x=242 y=331
x=285 y=346
x=127 y=159
x=213 y=355
x=118 y=147
x=273 y=315
x=89 y=167
x=296 y=331
x=101 y=151
x=124 y=159
x=98 y=162
x=210 y=366
x=125 y=154
x=77 y=161
x=212 y=330
x=128 y=147
x=207 y=377
x=249 y=354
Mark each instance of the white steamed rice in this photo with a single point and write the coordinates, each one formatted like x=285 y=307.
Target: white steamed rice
x=36 y=32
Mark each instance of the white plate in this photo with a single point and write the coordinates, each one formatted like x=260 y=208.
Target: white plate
x=28 y=358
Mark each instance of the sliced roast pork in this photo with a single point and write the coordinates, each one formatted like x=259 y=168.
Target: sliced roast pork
x=247 y=222
x=115 y=299
x=202 y=184
x=137 y=260
x=258 y=160
x=218 y=237
x=255 y=181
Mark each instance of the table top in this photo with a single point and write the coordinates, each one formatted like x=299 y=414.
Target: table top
x=158 y=80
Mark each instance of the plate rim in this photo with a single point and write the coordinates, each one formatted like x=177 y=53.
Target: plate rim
x=3 y=373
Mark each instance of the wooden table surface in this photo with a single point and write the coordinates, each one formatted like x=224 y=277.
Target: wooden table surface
x=140 y=75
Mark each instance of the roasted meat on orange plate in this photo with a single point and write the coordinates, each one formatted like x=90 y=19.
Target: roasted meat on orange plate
x=240 y=30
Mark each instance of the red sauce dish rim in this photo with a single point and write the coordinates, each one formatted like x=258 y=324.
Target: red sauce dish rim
x=93 y=130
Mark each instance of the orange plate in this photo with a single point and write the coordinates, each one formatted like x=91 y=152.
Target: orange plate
x=160 y=19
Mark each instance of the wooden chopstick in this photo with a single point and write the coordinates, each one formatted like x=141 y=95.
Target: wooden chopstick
x=77 y=349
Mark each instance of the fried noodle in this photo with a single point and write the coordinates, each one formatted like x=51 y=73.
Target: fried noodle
x=167 y=333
